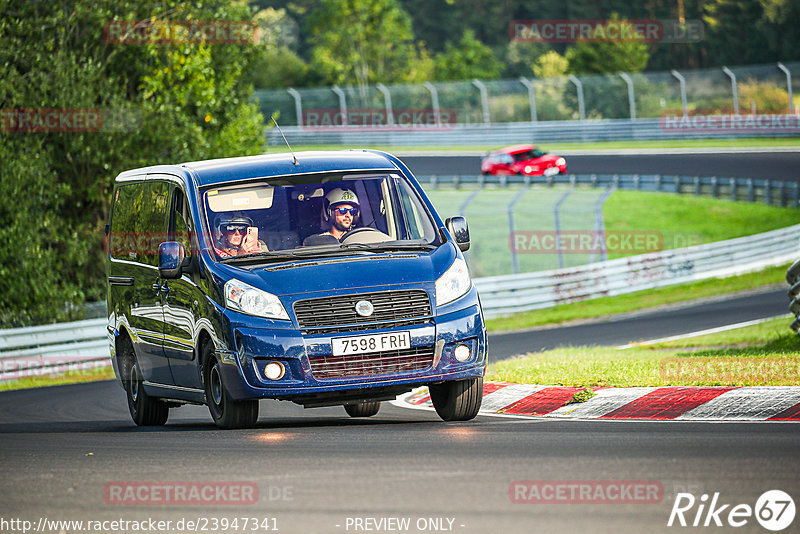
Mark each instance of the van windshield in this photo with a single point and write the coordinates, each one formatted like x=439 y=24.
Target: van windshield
x=339 y=214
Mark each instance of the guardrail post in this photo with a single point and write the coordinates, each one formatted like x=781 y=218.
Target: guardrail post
x=796 y=194
x=768 y=192
x=484 y=100
x=734 y=89
x=481 y=181
x=512 y=243
x=434 y=101
x=788 y=85
x=298 y=104
x=783 y=194
x=615 y=180
x=434 y=182
x=733 y=189
x=682 y=81
x=531 y=96
x=342 y=103
x=751 y=193
x=556 y=210
x=387 y=100
x=503 y=181
x=658 y=183
x=631 y=99
x=714 y=187
x=456 y=180
x=636 y=184
x=594 y=180
x=697 y=186
x=579 y=86
x=678 y=185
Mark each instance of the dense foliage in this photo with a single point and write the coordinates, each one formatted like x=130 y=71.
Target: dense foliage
x=158 y=104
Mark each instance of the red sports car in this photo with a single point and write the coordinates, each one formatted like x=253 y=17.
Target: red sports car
x=523 y=159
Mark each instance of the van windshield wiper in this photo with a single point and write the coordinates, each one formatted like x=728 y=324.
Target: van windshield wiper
x=383 y=247
x=309 y=252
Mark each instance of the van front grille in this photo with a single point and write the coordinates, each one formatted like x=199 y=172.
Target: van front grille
x=376 y=363
x=338 y=314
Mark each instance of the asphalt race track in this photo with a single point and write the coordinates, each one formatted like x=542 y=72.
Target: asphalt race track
x=676 y=320
x=316 y=469
x=762 y=165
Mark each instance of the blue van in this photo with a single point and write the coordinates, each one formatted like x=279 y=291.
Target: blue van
x=325 y=279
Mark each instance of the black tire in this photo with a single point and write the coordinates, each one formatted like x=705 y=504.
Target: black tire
x=362 y=409
x=458 y=400
x=145 y=410
x=226 y=412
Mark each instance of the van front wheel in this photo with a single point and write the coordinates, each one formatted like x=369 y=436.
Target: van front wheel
x=458 y=400
x=226 y=412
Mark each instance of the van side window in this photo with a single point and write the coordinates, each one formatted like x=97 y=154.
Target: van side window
x=180 y=225
x=122 y=245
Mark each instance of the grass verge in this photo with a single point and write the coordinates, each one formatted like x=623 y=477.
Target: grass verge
x=68 y=377
x=767 y=354
x=641 y=300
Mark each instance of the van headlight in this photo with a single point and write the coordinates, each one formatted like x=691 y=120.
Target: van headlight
x=454 y=283
x=247 y=299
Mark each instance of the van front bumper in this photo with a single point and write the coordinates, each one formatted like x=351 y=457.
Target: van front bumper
x=431 y=359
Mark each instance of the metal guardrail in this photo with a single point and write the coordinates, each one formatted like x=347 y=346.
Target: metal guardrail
x=502 y=295
x=41 y=350
x=770 y=192
x=793 y=279
x=55 y=348
x=566 y=131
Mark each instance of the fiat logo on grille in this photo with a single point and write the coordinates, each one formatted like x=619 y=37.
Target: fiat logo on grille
x=364 y=308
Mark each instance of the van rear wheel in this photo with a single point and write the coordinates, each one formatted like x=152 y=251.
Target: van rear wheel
x=226 y=412
x=145 y=410
x=362 y=409
x=458 y=400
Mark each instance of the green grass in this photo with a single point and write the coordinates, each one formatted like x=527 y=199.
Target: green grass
x=555 y=147
x=760 y=355
x=605 y=306
x=685 y=220
x=69 y=377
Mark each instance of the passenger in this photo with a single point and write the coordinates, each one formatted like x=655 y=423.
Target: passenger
x=340 y=212
x=231 y=236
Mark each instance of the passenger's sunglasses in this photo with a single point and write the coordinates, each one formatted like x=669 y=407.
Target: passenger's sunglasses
x=231 y=228
x=352 y=211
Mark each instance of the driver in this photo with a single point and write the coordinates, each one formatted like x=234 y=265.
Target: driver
x=340 y=212
x=231 y=233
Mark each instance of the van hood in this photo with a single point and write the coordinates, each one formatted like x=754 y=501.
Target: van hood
x=360 y=271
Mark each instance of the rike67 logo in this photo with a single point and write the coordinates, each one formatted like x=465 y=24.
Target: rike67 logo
x=774 y=510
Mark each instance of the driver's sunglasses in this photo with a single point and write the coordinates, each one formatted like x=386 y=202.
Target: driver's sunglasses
x=231 y=228
x=352 y=211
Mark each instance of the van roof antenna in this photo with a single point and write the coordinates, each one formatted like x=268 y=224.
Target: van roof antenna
x=294 y=158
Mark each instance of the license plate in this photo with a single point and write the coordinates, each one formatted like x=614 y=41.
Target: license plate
x=343 y=346
x=551 y=171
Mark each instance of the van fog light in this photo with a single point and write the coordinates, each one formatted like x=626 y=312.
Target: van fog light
x=462 y=353
x=274 y=370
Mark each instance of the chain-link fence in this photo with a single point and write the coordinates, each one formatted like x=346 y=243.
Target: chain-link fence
x=754 y=89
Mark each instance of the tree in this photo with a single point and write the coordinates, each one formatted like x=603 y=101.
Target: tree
x=361 y=42
x=159 y=104
x=609 y=55
x=466 y=60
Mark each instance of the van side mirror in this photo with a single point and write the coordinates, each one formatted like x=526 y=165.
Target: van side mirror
x=170 y=259
x=457 y=226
